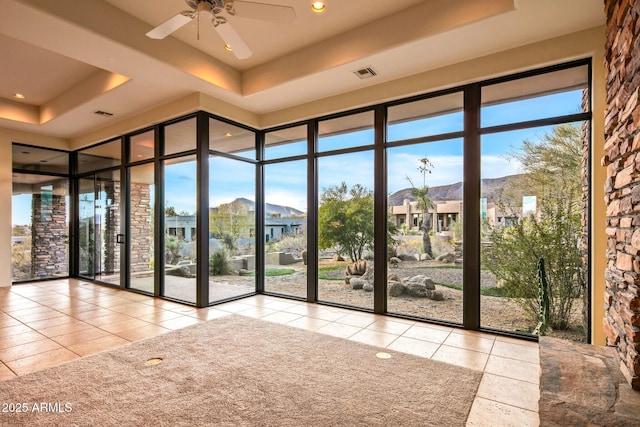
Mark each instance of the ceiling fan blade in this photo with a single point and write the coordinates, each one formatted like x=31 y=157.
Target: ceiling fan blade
x=265 y=12
x=233 y=39
x=170 y=25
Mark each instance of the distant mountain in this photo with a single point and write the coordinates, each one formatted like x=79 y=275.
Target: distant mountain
x=491 y=189
x=270 y=209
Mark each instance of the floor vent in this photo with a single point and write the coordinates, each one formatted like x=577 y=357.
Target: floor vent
x=366 y=73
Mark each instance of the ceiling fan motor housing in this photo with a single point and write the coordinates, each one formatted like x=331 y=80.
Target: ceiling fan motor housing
x=213 y=6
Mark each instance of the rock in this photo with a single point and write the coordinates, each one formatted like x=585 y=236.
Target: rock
x=417 y=290
x=424 y=257
x=243 y=272
x=394 y=261
x=393 y=277
x=407 y=257
x=180 y=271
x=448 y=257
x=357 y=283
x=435 y=295
x=422 y=280
x=337 y=258
x=395 y=289
x=368 y=287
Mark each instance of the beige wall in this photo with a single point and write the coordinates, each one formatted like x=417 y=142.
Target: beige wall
x=589 y=43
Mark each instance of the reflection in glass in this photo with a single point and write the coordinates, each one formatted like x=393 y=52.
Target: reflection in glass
x=40 y=227
x=99 y=226
x=345 y=229
x=285 y=142
x=350 y=131
x=142 y=146
x=285 y=191
x=541 y=96
x=531 y=210
x=232 y=222
x=427 y=247
x=141 y=222
x=86 y=227
x=99 y=157
x=39 y=160
x=231 y=139
x=180 y=136
x=180 y=232
x=427 y=117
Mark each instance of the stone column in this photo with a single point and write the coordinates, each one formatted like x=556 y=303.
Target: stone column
x=49 y=236
x=622 y=186
x=141 y=231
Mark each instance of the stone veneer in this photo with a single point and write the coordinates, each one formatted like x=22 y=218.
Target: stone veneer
x=49 y=236
x=140 y=229
x=622 y=187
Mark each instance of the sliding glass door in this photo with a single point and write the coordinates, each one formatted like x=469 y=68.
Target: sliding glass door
x=99 y=237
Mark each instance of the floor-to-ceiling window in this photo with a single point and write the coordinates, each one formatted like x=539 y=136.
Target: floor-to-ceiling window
x=232 y=211
x=439 y=207
x=40 y=213
x=425 y=185
x=345 y=215
x=180 y=194
x=285 y=223
x=534 y=130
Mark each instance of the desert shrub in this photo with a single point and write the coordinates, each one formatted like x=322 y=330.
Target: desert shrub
x=218 y=264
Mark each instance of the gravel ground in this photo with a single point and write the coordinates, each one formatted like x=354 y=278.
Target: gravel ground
x=496 y=312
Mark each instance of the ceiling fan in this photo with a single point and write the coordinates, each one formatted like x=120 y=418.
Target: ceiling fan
x=217 y=11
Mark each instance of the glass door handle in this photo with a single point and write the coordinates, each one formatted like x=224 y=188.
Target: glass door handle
x=120 y=238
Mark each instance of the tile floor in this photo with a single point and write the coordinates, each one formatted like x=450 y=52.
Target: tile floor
x=48 y=323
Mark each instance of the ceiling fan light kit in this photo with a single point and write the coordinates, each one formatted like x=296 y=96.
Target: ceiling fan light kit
x=219 y=12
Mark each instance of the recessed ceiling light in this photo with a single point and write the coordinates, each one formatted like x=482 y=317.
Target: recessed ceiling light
x=228 y=134
x=153 y=361
x=228 y=48
x=18 y=96
x=318 y=6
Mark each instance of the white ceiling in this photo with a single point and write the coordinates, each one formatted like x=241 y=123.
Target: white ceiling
x=73 y=57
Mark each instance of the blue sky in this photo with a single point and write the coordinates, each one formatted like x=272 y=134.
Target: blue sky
x=286 y=182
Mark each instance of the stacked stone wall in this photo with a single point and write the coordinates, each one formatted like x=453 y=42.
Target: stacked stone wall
x=622 y=187
x=49 y=236
x=140 y=228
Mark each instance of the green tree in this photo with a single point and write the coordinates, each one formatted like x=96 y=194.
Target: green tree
x=553 y=174
x=229 y=222
x=424 y=203
x=345 y=220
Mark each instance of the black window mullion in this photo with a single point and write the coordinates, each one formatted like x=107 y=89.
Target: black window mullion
x=260 y=215
x=380 y=213
x=158 y=283
x=312 y=212
x=202 y=210
x=471 y=209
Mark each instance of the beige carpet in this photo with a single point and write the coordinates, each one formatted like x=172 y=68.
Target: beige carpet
x=237 y=371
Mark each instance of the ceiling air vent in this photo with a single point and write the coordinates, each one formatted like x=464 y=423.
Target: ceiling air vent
x=103 y=113
x=366 y=73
